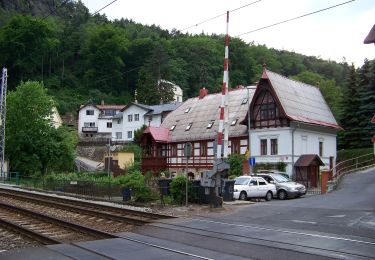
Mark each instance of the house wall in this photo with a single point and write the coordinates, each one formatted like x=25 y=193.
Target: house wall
x=306 y=141
x=123 y=158
x=156 y=120
x=129 y=126
x=83 y=118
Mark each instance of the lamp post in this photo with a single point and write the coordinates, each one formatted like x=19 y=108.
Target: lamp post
x=248 y=123
x=109 y=157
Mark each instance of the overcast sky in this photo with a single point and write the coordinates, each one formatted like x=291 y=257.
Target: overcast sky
x=332 y=34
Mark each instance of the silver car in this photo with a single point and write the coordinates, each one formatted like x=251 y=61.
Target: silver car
x=285 y=187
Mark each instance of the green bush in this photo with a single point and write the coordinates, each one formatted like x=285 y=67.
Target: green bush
x=136 y=182
x=178 y=189
x=235 y=161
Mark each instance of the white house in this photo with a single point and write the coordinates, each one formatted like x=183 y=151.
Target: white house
x=178 y=93
x=96 y=120
x=290 y=122
x=135 y=115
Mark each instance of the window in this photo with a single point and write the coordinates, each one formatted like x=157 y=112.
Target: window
x=173 y=150
x=187 y=110
x=263 y=147
x=89 y=112
x=253 y=182
x=118 y=135
x=235 y=146
x=188 y=127
x=130 y=134
x=109 y=112
x=109 y=124
x=244 y=101
x=320 y=149
x=210 y=124
x=130 y=118
x=273 y=146
x=261 y=182
x=89 y=124
x=203 y=149
x=234 y=121
x=173 y=127
x=136 y=117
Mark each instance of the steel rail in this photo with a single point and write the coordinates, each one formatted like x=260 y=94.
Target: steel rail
x=56 y=221
x=92 y=205
x=54 y=204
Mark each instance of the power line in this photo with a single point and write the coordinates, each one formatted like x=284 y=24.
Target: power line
x=46 y=16
x=217 y=16
x=295 y=18
x=97 y=11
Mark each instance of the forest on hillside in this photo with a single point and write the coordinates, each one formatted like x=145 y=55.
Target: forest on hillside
x=81 y=58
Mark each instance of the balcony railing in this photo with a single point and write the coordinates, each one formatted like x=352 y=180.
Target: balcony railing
x=89 y=129
x=153 y=163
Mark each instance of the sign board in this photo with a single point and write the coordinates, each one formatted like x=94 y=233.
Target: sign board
x=252 y=161
x=188 y=149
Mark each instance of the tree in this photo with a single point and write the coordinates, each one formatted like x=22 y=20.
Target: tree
x=25 y=43
x=367 y=98
x=33 y=145
x=350 y=137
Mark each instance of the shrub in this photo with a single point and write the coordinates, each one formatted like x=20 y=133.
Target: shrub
x=235 y=161
x=178 y=189
x=136 y=182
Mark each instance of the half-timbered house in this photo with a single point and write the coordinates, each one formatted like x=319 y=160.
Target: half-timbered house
x=288 y=119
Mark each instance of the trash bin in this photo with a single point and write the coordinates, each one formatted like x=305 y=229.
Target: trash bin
x=126 y=194
x=227 y=190
x=200 y=194
x=164 y=186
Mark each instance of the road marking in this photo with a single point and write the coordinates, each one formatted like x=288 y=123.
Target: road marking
x=303 y=221
x=287 y=231
x=337 y=216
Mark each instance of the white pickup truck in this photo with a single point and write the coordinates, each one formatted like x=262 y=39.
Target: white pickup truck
x=253 y=187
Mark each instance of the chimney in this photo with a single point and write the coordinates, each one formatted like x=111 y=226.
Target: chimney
x=203 y=92
x=102 y=103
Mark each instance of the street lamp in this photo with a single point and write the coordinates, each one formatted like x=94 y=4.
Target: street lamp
x=248 y=122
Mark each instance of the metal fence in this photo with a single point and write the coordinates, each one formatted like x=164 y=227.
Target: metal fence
x=353 y=164
x=157 y=192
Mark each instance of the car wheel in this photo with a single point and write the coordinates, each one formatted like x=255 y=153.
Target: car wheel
x=269 y=196
x=282 y=195
x=243 y=195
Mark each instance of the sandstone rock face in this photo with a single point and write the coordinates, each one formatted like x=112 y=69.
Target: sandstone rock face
x=32 y=7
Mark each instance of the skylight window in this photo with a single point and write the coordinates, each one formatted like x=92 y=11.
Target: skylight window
x=244 y=101
x=173 y=127
x=210 y=124
x=234 y=122
x=187 y=110
x=188 y=127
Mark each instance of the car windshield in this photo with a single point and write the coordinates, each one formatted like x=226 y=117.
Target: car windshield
x=279 y=178
x=241 y=181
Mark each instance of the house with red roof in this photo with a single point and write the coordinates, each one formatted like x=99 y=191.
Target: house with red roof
x=289 y=121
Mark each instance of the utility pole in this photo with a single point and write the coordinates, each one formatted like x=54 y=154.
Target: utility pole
x=3 y=99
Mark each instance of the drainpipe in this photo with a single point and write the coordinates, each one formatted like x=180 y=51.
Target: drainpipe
x=293 y=170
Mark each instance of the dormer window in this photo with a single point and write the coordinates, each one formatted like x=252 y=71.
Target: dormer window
x=188 y=127
x=209 y=126
x=173 y=127
x=187 y=110
x=234 y=122
x=244 y=101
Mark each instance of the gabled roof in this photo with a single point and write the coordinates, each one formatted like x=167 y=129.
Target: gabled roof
x=373 y=119
x=370 y=38
x=202 y=112
x=158 y=109
x=103 y=107
x=145 y=107
x=301 y=102
x=160 y=134
x=306 y=160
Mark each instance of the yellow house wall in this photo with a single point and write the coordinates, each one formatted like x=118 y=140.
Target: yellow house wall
x=124 y=158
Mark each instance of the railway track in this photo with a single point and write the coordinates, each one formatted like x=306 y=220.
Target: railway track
x=46 y=229
x=131 y=216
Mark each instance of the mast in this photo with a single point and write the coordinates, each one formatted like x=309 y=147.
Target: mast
x=3 y=100
x=224 y=113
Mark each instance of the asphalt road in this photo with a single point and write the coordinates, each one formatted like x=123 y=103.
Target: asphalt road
x=340 y=225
